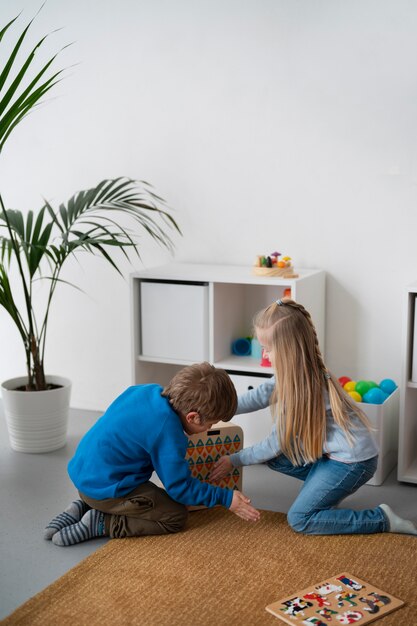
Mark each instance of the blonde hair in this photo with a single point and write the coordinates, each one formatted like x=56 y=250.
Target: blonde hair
x=298 y=401
x=205 y=389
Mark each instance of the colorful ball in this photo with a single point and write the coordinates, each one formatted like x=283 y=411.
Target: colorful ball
x=362 y=386
x=375 y=396
x=388 y=385
x=372 y=384
x=355 y=395
x=349 y=386
x=344 y=379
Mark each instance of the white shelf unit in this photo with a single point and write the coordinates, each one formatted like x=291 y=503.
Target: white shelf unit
x=186 y=313
x=407 y=445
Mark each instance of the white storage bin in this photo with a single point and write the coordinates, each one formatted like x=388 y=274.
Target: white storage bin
x=174 y=321
x=256 y=426
x=384 y=418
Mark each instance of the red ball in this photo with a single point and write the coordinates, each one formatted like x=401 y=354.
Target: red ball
x=344 y=379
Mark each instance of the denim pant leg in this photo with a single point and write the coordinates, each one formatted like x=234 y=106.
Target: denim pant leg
x=326 y=483
x=283 y=465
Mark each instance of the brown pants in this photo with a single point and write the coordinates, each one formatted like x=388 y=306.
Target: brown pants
x=147 y=510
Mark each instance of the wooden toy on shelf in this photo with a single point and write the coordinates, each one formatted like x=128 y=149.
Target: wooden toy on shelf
x=271 y=266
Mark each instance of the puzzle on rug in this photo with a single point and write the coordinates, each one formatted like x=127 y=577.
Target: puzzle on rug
x=341 y=599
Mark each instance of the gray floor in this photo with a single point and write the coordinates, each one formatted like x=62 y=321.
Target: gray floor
x=35 y=487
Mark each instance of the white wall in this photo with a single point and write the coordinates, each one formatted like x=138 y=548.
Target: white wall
x=266 y=124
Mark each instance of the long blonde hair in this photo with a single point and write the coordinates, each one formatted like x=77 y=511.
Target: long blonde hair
x=298 y=401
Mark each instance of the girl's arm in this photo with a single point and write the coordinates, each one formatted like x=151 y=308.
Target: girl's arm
x=267 y=449
x=261 y=452
x=256 y=399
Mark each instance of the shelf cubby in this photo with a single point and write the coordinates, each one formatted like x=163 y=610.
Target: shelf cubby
x=185 y=313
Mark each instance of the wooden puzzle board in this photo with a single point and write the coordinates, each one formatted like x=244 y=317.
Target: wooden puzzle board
x=341 y=599
x=204 y=449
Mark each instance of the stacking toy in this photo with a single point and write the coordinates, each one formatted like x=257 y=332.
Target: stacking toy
x=241 y=347
x=388 y=385
x=265 y=362
x=256 y=349
x=375 y=395
x=355 y=395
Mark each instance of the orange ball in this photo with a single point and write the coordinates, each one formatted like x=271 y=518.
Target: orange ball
x=281 y=264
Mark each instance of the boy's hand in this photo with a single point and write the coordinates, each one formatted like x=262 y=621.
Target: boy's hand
x=221 y=468
x=242 y=507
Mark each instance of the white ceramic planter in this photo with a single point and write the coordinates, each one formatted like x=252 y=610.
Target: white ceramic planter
x=37 y=421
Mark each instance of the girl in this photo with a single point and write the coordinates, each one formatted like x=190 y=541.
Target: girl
x=320 y=435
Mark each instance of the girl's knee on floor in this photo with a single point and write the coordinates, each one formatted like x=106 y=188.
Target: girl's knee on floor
x=298 y=521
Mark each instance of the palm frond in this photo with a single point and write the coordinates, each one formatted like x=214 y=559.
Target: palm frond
x=9 y=63
x=7 y=302
x=113 y=196
x=17 y=101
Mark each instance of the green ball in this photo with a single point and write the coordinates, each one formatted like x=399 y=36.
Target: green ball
x=362 y=386
x=372 y=384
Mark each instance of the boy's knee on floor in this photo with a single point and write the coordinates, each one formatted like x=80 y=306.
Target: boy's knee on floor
x=176 y=521
x=176 y=524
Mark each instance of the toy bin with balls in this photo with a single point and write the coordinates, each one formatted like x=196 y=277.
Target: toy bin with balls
x=381 y=405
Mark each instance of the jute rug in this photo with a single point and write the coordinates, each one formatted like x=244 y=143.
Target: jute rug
x=220 y=570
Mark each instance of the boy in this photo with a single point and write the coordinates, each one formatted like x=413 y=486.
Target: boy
x=144 y=430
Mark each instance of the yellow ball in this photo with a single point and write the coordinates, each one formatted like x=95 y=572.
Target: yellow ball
x=350 y=385
x=355 y=395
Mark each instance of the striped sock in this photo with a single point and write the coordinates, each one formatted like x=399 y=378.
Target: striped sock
x=71 y=515
x=91 y=525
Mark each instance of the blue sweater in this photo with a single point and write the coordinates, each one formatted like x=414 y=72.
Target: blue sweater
x=139 y=433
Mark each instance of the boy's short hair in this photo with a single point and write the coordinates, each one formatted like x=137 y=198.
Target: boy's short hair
x=205 y=389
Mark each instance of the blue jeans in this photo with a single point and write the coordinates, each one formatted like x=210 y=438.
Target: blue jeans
x=326 y=483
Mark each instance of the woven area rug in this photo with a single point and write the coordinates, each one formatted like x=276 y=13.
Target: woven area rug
x=220 y=570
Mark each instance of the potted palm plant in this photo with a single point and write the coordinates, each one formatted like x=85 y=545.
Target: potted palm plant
x=35 y=246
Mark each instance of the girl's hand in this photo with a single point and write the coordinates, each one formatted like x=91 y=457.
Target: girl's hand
x=242 y=507
x=221 y=468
